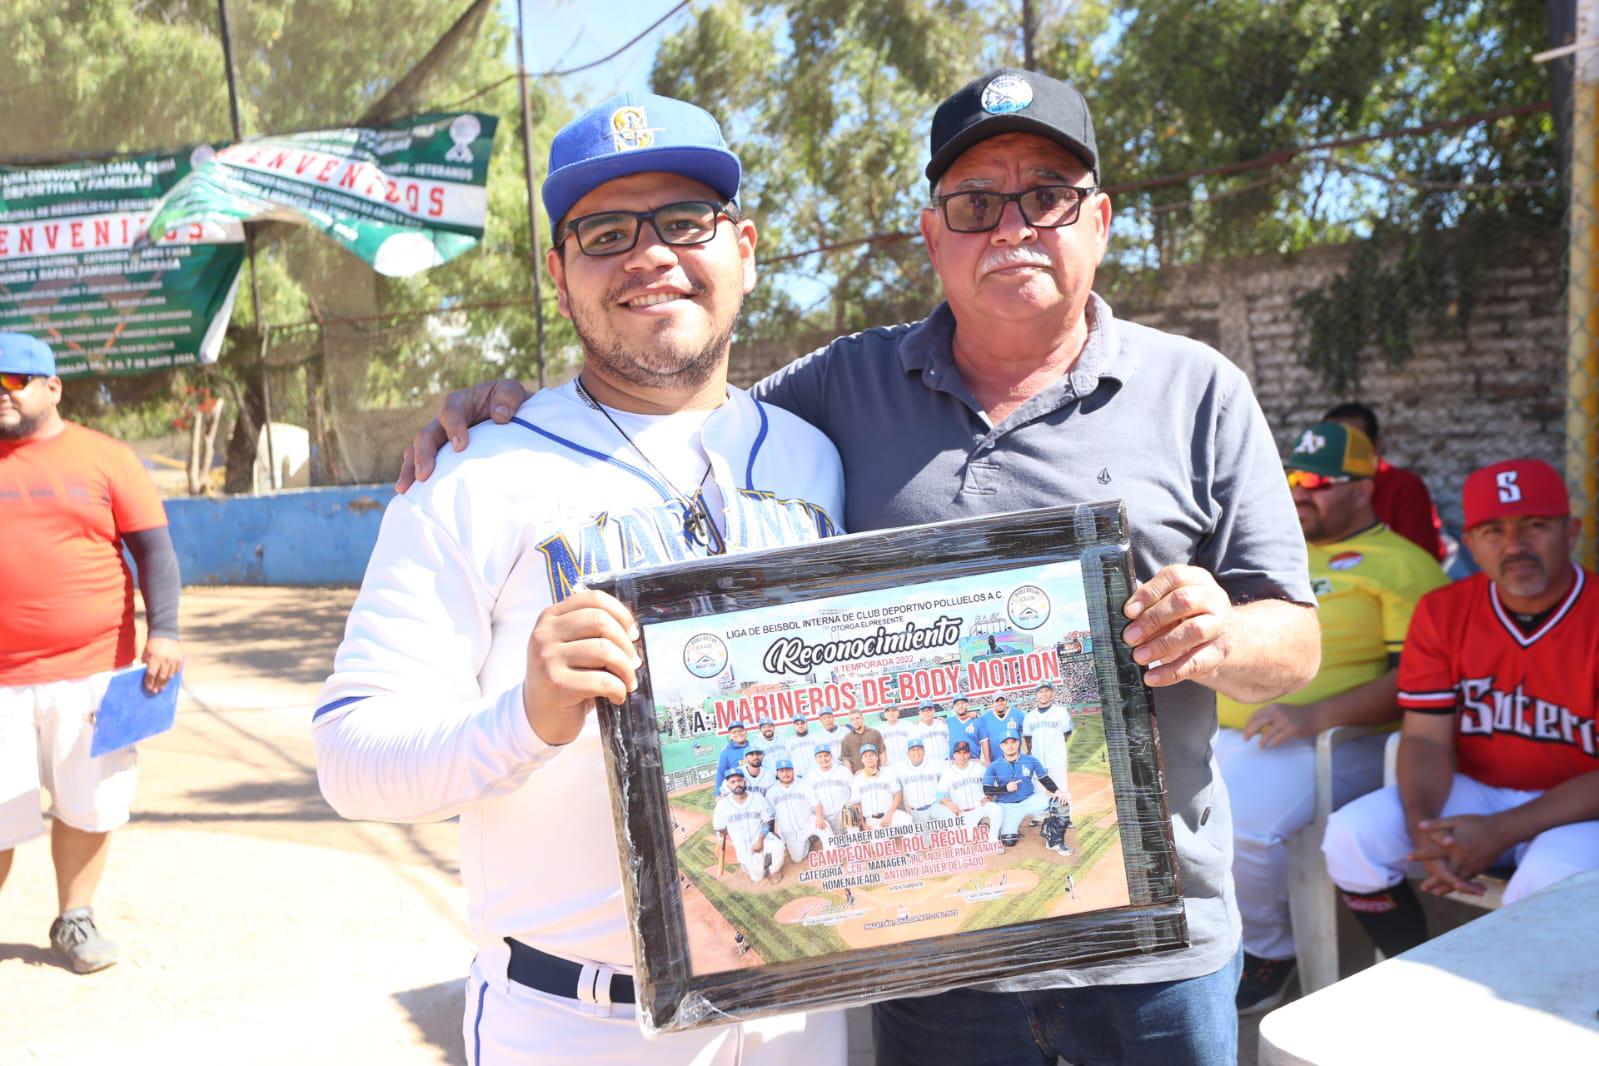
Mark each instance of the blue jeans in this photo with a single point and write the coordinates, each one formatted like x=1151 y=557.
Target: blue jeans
x=1171 y=1023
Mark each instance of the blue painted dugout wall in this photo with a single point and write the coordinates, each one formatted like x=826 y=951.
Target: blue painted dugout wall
x=305 y=537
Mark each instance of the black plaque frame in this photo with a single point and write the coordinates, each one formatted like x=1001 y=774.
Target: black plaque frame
x=670 y=996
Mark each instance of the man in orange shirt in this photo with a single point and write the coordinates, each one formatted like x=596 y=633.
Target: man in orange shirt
x=71 y=499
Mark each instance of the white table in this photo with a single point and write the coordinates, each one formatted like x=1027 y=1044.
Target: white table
x=1519 y=985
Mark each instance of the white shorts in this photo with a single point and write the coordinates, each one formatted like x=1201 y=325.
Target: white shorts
x=46 y=732
x=523 y=1026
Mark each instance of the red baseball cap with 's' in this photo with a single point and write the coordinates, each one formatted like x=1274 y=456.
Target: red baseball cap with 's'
x=1514 y=487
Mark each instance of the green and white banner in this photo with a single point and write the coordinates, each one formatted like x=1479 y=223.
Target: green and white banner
x=403 y=197
x=73 y=275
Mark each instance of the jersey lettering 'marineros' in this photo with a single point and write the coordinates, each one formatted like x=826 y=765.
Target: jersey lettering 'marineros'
x=423 y=718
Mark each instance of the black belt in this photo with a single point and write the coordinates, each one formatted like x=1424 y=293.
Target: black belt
x=559 y=977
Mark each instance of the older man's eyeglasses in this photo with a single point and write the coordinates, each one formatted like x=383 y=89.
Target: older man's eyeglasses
x=615 y=232
x=1044 y=207
x=16 y=382
x=1304 y=479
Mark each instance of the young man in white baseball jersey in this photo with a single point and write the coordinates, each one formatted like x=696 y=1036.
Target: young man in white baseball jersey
x=802 y=747
x=798 y=817
x=769 y=742
x=757 y=777
x=1048 y=730
x=833 y=786
x=473 y=656
x=876 y=793
x=896 y=735
x=960 y=790
x=744 y=817
x=918 y=785
x=931 y=732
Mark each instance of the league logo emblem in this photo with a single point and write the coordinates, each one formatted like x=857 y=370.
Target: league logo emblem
x=463 y=131
x=705 y=655
x=1345 y=561
x=1007 y=94
x=630 y=129
x=1028 y=607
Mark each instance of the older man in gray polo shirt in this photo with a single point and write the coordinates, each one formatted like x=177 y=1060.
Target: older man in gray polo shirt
x=1023 y=390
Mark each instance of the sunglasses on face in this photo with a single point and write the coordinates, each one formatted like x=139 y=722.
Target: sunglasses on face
x=16 y=382
x=1044 y=207
x=615 y=232
x=1304 y=479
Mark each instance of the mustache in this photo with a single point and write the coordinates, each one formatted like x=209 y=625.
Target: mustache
x=1522 y=557
x=626 y=292
x=1013 y=255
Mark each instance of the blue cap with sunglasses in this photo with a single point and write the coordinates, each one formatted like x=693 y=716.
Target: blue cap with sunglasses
x=635 y=133
x=22 y=354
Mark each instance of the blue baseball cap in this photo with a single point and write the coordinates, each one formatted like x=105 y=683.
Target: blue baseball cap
x=784 y=764
x=632 y=134
x=915 y=744
x=738 y=725
x=868 y=747
x=800 y=718
x=22 y=354
x=733 y=772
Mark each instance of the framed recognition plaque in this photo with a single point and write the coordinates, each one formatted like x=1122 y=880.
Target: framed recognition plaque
x=887 y=764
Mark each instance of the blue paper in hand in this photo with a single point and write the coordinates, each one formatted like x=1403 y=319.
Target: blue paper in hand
x=128 y=713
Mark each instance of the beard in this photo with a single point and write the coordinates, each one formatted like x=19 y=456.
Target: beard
x=21 y=427
x=666 y=364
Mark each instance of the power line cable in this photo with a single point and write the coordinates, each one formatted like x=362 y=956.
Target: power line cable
x=651 y=28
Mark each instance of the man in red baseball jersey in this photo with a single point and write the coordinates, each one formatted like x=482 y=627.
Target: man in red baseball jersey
x=71 y=499
x=1498 y=761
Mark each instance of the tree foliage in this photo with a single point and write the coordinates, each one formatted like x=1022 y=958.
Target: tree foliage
x=104 y=77
x=829 y=102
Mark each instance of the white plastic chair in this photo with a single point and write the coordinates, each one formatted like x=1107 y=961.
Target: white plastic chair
x=1312 y=898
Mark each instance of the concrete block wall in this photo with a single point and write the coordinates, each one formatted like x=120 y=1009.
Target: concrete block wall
x=1496 y=391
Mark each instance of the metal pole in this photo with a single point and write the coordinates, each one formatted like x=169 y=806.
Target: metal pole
x=249 y=249
x=1582 y=298
x=1029 y=29
x=532 y=201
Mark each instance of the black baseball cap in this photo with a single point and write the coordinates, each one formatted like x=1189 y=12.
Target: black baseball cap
x=1012 y=101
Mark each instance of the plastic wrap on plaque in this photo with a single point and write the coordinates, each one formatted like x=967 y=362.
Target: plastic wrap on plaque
x=821 y=872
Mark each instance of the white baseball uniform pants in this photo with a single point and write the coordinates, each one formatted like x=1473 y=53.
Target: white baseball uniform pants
x=1367 y=841
x=1273 y=794
x=887 y=821
x=758 y=864
x=524 y=1027
x=984 y=814
x=46 y=734
x=799 y=840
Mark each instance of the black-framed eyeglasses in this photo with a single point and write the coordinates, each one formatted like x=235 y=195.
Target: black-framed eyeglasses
x=615 y=232
x=1043 y=207
x=16 y=382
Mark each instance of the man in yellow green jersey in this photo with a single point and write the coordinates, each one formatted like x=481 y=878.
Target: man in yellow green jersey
x=1367 y=580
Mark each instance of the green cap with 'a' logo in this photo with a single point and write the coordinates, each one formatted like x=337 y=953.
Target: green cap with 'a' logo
x=1333 y=449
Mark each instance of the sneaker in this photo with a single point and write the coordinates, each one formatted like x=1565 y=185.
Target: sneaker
x=1264 y=984
x=76 y=942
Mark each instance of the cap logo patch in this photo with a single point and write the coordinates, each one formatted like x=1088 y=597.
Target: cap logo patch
x=1509 y=491
x=1007 y=94
x=1310 y=444
x=630 y=129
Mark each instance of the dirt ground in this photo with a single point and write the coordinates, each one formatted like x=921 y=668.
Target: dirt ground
x=256 y=925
